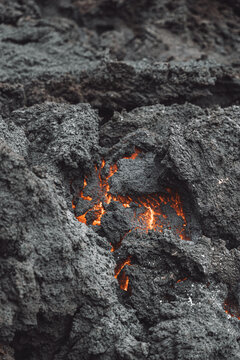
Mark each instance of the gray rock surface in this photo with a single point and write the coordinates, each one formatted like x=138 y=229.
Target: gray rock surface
x=83 y=81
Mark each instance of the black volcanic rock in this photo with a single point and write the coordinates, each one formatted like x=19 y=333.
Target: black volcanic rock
x=51 y=271
x=199 y=148
x=83 y=86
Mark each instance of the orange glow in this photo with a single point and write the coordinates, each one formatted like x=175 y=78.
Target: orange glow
x=134 y=155
x=233 y=311
x=81 y=193
x=148 y=213
x=147 y=220
x=106 y=187
x=123 y=278
x=120 y=266
x=98 y=208
x=124 y=200
x=82 y=219
x=124 y=281
x=86 y=198
x=176 y=204
x=180 y=280
x=99 y=211
x=113 y=170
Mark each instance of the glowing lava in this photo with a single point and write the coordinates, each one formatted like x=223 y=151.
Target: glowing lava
x=231 y=309
x=177 y=206
x=134 y=155
x=147 y=210
x=180 y=280
x=123 y=279
x=106 y=197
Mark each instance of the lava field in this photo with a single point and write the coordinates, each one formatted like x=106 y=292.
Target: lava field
x=119 y=180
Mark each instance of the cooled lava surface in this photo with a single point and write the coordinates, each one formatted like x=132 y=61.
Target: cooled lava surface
x=119 y=179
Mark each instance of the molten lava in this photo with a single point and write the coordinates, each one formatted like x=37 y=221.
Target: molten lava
x=146 y=220
x=81 y=193
x=120 y=266
x=134 y=155
x=123 y=279
x=147 y=210
x=180 y=280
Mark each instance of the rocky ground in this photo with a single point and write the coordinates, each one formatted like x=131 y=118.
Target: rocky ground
x=153 y=88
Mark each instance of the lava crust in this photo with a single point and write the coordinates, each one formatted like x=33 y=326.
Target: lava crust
x=119 y=180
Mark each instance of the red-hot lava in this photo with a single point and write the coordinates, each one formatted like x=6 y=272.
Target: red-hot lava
x=123 y=279
x=180 y=280
x=231 y=308
x=147 y=219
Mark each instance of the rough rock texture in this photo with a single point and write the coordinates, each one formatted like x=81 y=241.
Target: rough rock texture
x=82 y=81
x=198 y=147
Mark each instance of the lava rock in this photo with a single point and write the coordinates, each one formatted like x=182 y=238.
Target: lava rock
x=92 y=80
x=199 y=149
x=141 y=174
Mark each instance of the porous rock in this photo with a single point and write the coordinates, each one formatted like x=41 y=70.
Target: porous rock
x=83 y=81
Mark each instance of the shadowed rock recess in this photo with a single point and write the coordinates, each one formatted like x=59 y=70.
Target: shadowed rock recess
x=119 y=180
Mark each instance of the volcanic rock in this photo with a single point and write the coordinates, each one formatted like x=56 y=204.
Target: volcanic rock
x=119 y=180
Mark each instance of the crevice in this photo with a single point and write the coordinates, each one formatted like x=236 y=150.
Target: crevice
x=22 y=41
x=105 y=114
x=25 y=343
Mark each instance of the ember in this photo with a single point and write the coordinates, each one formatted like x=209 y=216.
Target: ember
x=123 y=278
x=231 y=308
x=148 y=214
x=180 y=280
